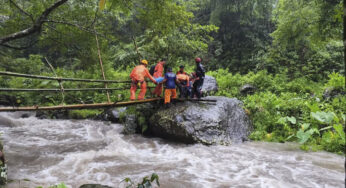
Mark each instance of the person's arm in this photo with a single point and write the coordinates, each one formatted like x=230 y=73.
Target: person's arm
x=177 y=81
x=132 y=73
x=202 y=71
x=188 y=82
x=165 y=80
x=149 y=76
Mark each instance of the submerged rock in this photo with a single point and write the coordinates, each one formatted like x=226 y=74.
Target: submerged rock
x=113 y=115
x=209 y=85
x=130 y=125
x=222 y=122
x=52 y=114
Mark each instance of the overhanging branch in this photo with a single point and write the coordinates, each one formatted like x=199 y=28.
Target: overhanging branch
x=35 y=28
x=74 y=25
x=22 y=11
x=19 y=47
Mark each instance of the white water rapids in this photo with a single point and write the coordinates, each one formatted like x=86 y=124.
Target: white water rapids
x=48 y=152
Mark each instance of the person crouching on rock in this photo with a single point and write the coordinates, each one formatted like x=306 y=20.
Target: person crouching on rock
x=183 y=85
x=138 y=74
x=170 y=80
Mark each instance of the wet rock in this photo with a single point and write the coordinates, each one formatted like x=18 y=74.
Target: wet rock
x=137 y=117
x=94 y=186
x=331 y=93
x=130 y=125
x=3 y=167
x=209 y=85
x=25 y=115
x=223 y=122
x=247 y=89
x=53 y=114
x=114 y=114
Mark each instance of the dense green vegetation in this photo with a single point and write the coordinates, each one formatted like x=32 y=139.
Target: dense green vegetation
x=290 y=50
x=291 y=110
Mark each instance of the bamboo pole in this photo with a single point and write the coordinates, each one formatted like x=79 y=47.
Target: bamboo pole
x=57 y=90
x=103 y=73
x=77 y=106
x=5 y=73
x=195 y=100
x=136 y=48
x=92 y=106
x=59 y=81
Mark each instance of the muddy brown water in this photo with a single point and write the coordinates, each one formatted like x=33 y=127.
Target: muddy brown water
x=47 y=152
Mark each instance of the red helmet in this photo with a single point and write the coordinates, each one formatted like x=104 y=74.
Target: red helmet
x=198 y=60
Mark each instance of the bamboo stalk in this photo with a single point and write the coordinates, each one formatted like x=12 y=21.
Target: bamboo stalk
x=5 y=73
x=196 y=100
x=103 y=73
x=77 y=106
x=57 y=90
x=91 y=106
x=136 y=48
x=60 y=84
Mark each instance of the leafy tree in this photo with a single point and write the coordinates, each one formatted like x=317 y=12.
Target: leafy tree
x=301 y=42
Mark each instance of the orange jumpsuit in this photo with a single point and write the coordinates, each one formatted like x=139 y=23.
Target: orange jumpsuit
x=181 y=73
x=184 y=77
x=158 y=73
x=138 y=75
x=184 y=81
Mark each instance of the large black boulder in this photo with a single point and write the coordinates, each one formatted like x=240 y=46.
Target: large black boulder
x=223 y=122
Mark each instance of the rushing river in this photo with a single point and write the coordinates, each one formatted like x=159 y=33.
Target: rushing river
x=47 y=152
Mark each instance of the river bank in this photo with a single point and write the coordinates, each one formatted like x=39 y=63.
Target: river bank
x=77 y=152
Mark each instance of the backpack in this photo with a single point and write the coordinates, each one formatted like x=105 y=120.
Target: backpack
x=152 y=70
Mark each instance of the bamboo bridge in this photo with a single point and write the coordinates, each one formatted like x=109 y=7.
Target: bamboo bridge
x=108 y=104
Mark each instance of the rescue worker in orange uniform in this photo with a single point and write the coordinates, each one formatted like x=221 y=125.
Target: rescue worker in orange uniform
x=184 y=83
x=138 y=75
x=170 y=91
x=158 y=72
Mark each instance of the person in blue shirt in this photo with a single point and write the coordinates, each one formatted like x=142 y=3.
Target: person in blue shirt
x=170 y=83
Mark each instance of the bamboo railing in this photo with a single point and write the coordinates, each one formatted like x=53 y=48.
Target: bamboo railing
x=91 y=106
x=6 y=73
x=58 y=90
x=74 y=106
